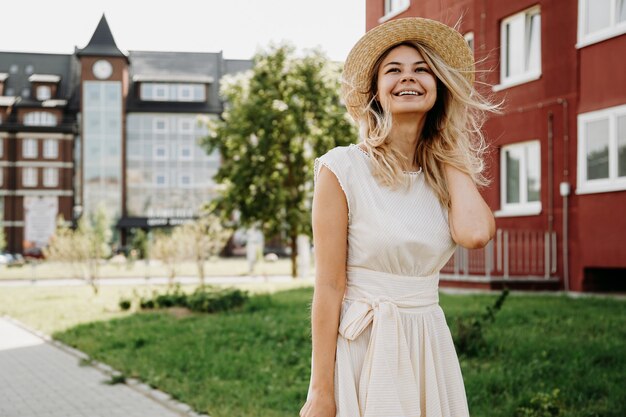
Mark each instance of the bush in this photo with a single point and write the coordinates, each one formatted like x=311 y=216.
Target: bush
x=204 y=299
x=124 y=304
x=469 y=338
x=542 y=405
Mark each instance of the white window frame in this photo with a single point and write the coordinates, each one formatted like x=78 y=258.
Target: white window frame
x=185 y=87
x=613 y=182
x=40 y=118
x=391 y=12
x=156 y=180
x=614 y=29
x=29 y=148
x=44 y=92
x=180 y=180
x=531 y=74
x=524 y=207
x=50 y=148
x=185 y=125
x=183 y=157
x=157 y=88
x=163 y=157
x=50 y=177
x=469 y=37
x=29 y=177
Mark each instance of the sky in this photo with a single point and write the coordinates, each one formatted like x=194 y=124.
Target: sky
x=239 y=28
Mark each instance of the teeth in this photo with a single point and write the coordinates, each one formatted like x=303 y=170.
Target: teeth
x=412 y=93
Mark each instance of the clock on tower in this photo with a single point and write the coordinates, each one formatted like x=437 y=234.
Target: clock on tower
x=102 y=69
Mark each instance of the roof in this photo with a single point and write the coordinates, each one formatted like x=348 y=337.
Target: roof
x=102 y=42
x=21 y=66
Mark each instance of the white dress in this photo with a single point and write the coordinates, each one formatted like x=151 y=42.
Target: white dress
x=395 y=355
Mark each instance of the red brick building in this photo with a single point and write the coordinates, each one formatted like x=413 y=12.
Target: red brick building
x=558 y=150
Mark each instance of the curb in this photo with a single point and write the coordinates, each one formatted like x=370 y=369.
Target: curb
x=163 y=398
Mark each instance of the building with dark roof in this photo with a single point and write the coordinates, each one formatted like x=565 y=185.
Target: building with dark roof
x=100 y=127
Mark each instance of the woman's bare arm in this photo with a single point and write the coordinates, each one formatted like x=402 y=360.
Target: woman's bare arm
x=330 y=234
x=471 y=221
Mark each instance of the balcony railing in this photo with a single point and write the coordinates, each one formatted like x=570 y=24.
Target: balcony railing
x=512 y=254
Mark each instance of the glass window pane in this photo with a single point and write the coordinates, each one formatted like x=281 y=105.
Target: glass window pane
x=598 y=15
x=533 y=169
x=512 y=161
x=515 y=46
x=533 y=51
x=621 y=146
x=597 y=135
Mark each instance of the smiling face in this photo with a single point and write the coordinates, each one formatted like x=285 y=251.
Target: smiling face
x=405 y=82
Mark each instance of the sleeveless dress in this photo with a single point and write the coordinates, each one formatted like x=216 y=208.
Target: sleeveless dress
x=395 y=356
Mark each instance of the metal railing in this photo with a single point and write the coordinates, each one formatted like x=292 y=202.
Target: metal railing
x=515 y=254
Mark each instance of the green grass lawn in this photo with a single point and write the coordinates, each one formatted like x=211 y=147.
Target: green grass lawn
x=255 y=362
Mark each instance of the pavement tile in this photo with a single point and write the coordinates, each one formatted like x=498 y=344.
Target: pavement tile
x=39 y=379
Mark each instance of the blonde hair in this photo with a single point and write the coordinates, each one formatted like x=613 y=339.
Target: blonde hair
x=451 y=133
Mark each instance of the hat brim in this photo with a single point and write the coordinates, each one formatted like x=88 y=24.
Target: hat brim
x=358 y=68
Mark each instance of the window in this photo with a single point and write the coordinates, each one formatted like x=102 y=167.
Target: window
x=160 y=152
x=160 y=125
x=194 y=92
x=29 y=177
x=40 y=118
x=520 y=40
x=50 y=177
x=44 y=92
x=520 y=178
x=602 y=150
x=394 y=8
x=599 y=20
x=29 y=148
x=185 y=92
x=160 y=180
x=185 y=180
x=185 y=153
x=469 y=38
x=159 y=92
x=50 y=149
x=185 y=125
x=13 y=69
x=26 y=93
x=29 y=69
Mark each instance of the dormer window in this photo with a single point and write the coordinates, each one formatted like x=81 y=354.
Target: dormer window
x=44 y=92
x=152 y=91
x=40 y=118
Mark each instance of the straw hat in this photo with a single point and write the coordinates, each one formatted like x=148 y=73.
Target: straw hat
x=444 y=40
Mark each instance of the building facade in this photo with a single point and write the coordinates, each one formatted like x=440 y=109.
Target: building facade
x=558 y=149
x=104 y=128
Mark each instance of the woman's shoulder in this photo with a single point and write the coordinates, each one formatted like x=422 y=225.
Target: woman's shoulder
x=344 y=154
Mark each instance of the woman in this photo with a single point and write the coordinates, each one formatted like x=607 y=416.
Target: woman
x=387 y=215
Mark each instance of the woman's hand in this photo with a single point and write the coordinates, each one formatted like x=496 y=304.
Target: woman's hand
x=319 y=405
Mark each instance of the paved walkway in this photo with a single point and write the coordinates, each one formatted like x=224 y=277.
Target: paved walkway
x=41 y=378
x=245 y=279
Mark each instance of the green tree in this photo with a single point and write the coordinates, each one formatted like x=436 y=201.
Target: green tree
x=278 y=117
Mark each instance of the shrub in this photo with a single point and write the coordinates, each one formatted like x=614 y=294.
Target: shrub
x=124 y=304
x=204 y=299
x=469 y=338
x=542 y=405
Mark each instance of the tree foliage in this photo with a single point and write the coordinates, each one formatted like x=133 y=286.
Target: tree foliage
x=278 y=117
